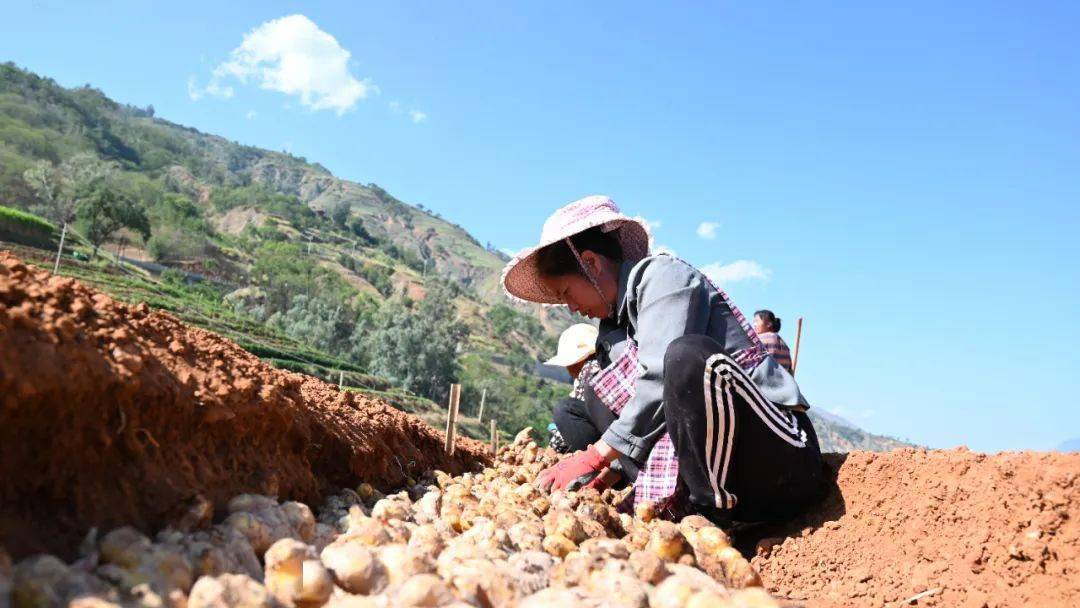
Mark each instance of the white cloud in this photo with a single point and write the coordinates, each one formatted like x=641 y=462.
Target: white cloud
x=417 y=116
x=251 y=114
x=739 y=270
x=291 y=55
x=214 y=89
x=707 y=230
x=193 y=91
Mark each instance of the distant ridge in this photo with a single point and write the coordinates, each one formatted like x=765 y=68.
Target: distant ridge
x=839 y=435
x=1069 y=445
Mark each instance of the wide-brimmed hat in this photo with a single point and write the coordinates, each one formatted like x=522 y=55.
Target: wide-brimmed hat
x=577 y=343
x=521 y=277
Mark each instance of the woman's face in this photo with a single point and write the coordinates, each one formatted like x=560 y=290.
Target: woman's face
x=760 y=326
x=578 y=292
x=574 y=369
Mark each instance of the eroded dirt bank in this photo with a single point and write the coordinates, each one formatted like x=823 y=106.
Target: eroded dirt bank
x=956 y=527
x=117 y=415
x=113 y=415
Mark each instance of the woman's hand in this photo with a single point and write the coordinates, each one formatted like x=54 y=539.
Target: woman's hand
x=604 y=480
x=586 y=463
x=589 y=463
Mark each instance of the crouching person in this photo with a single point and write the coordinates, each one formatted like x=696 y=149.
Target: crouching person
x=577 y=353
x=691 y=396
x=580 y=419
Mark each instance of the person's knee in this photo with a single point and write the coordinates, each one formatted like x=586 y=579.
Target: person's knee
x=684 y=366
x=567 y=412
x=572 y=420
x=685 y=357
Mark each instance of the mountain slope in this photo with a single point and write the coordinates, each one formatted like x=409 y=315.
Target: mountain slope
x=838 y=435
x=312 y=257
x=289 y=246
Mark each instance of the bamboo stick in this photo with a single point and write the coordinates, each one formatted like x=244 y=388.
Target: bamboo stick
x=451 y=417
x=798 y=338
x=60 y=250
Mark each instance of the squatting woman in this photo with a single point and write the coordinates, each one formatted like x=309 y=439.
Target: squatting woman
x=706 y=419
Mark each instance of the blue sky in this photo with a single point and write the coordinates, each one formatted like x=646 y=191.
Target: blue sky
x=905 y=177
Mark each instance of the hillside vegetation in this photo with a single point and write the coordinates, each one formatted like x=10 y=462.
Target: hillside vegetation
x=311 y=272
x=308 y=271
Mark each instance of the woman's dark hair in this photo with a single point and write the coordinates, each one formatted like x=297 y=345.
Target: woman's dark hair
x=557 y=260
x=769 y=318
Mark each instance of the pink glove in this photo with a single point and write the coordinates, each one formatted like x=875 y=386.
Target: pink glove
x=587 y=462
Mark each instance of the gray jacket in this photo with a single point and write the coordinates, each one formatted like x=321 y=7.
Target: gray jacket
x=660 y=299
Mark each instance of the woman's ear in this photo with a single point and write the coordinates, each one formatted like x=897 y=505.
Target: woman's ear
x=592 y=262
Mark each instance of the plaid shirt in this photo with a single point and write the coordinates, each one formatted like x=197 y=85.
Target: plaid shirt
x=588 y=370
x=614 y=386
x=776 y=347
x=658 y=480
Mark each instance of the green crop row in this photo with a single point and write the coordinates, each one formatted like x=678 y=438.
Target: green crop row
x=18 y=218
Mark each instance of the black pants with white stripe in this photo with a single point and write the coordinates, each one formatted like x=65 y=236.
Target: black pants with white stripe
x=739 y=455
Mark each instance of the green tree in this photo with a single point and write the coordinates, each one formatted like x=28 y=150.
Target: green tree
x=180 y=230
x=59 y=189
x=339 y=212
x=284 y=272
x=357 y=227
x=503 y=319
x=104 y=211
x=316 y=322
x=379 y=275
x=418 y=349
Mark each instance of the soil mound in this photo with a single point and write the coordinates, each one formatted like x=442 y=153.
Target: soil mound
x=956 y=527
x=117 y=415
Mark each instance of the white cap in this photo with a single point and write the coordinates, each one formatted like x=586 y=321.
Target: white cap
x=576 y=344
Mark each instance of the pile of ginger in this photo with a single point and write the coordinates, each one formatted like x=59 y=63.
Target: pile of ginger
x=488 y=538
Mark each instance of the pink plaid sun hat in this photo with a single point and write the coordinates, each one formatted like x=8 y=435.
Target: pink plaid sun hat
x=521 y=277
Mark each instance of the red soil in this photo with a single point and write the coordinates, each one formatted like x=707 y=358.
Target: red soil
x=965 y=529
x=113 y=414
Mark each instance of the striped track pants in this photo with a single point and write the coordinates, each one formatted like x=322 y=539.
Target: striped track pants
x=738 y=452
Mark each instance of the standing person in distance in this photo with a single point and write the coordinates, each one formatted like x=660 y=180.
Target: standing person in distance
x=767 y=326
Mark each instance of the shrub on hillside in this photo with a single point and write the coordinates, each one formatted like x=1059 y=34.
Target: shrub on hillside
x=284 y=271
x=504 y=320
x=339 y=213
x=379 y=276
x=357 y=227
x=173 y=244
x=317 y=323
x=418 y=349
